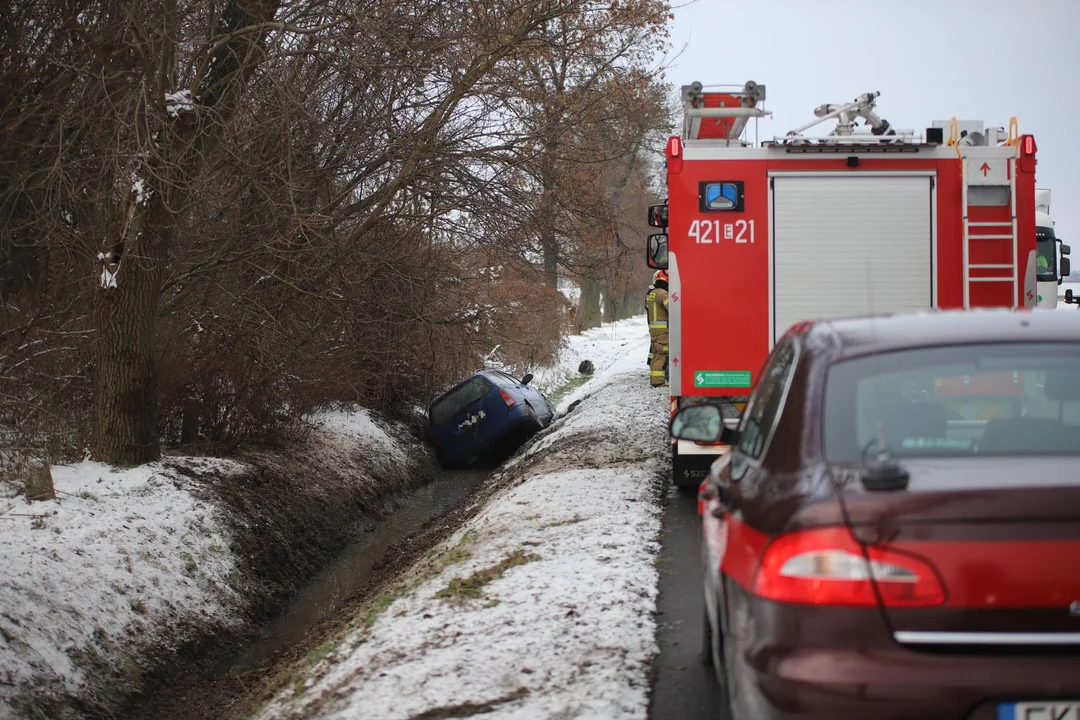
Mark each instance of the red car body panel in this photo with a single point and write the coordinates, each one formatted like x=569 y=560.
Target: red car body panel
x=1001 y=534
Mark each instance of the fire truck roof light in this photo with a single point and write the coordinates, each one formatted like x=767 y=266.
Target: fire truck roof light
x=1029 y=145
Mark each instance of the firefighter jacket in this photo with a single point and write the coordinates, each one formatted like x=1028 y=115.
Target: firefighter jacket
x=658 y=309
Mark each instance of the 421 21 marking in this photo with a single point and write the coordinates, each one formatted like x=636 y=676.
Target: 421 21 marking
x=710 y=232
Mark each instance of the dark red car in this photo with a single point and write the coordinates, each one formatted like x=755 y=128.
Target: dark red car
x=895 y=532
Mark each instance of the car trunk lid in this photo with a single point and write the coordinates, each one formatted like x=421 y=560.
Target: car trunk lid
x=1003 y=535
x=469 y=408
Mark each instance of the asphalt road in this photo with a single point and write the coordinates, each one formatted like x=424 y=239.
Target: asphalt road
x=683 y=685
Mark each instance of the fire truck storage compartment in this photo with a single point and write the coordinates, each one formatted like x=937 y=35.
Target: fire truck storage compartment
x=850 y=244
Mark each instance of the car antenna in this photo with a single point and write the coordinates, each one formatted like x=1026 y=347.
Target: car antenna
x=884 y=473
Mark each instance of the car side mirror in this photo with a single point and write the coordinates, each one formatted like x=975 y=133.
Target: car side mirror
x=702 y=423
x=525 y=380
x=656 y=251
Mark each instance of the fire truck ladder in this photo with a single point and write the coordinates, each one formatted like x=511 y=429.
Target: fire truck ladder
x=984 y=170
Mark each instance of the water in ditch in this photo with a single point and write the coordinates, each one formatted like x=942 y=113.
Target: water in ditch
x=352 y=569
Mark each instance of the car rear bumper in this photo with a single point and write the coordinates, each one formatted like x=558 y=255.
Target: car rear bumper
x=897 y=683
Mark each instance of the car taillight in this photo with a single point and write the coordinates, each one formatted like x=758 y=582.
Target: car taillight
x=510 y=401
x=827 y=567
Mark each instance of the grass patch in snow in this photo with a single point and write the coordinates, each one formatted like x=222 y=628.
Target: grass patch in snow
x=559 y=523
x=378 y=606
x=456 y=554
x=473 y=585
x=436 y=563
x=566 y=388
x=319 y=654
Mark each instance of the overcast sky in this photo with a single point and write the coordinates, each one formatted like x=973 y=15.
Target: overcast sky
x=930 y=59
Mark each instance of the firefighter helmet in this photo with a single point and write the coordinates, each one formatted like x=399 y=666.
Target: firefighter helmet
x=660 y=275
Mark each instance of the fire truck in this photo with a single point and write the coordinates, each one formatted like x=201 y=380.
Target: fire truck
x=759 y=236
x=1050 y=273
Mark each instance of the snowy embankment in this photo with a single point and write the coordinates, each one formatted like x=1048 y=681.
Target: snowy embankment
x=120 y=560
x=613 y=348
x=542 y=604
x=128 y=566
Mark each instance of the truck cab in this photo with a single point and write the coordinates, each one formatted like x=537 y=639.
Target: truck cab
x=1054 y=264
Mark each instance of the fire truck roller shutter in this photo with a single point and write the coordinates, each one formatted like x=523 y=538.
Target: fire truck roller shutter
x=849 y=245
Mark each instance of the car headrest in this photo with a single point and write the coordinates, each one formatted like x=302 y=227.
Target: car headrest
x=1062 y=385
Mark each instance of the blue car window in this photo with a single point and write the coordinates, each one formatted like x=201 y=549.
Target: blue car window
x=503 y=380
x=454 y=401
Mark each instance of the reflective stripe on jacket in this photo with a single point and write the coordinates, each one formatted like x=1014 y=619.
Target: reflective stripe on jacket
x=658 y=311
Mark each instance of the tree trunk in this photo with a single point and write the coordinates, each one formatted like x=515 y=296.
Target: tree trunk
x=549 y=239
x=628 y=305
x=550 y=246
x=589 y=305
x=189 y=429
x=124 y=408
x=611 y=308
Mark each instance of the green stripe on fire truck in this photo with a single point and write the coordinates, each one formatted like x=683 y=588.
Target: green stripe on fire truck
x=721 y=378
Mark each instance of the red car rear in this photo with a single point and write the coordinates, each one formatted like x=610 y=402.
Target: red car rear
x=879 y=543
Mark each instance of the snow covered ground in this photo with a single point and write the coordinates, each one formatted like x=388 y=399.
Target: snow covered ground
x=542 y=605
x=612 y=348
x=115 y=558
x=128 y=564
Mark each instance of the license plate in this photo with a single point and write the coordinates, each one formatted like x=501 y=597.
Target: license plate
x=1047 y=710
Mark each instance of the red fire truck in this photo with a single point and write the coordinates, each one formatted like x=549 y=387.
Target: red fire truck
x=760 y=236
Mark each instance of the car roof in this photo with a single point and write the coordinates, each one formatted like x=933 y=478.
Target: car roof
x=884 y=333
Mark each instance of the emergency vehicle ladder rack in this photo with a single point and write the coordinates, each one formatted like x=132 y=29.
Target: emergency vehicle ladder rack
x=973 y=175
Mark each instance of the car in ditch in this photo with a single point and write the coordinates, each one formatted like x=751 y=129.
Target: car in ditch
x=894 y=531
x=486 y=417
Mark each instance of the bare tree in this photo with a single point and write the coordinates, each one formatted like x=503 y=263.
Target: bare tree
x=223 y=214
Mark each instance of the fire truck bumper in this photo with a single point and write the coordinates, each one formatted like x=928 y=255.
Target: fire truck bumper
x=691 y=462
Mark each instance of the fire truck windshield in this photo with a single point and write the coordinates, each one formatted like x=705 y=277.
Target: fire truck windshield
x=1046 y=247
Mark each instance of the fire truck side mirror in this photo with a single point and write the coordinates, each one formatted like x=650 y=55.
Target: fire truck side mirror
x=658 y=216
x=656 y=251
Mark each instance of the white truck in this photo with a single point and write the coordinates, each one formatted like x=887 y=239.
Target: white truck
x=1052 y=266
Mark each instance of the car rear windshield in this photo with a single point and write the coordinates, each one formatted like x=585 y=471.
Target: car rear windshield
x=1006 y=399
x=460 y=397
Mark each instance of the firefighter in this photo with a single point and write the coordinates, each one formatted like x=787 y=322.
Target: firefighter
x=658 y=329
x=648 y=313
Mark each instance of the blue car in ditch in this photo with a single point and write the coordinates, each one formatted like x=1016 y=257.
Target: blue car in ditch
x=485 y=418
